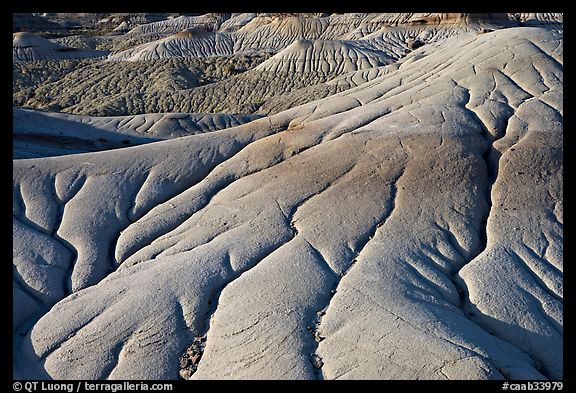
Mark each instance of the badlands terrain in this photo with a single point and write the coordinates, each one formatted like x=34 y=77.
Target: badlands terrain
x=288 y=196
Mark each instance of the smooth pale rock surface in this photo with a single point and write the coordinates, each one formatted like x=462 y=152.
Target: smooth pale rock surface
x=408 y=227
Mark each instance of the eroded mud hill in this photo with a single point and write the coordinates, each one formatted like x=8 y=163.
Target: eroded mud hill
x=406 y=227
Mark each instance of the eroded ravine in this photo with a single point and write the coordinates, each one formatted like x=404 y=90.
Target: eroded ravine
x=315 y=325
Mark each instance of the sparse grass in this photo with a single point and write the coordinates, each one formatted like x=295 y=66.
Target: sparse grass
x=231 y=68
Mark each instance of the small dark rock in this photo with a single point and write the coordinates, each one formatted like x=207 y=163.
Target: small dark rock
x=414 y=43
x=184 y=362
x=185 y=374
x=195 y=358
x=317 y=361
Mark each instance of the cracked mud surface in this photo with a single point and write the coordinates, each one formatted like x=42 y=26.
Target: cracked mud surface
x=408 y=226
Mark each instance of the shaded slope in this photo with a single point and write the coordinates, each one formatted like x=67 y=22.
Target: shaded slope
x=40 y=134
x=29 y=47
